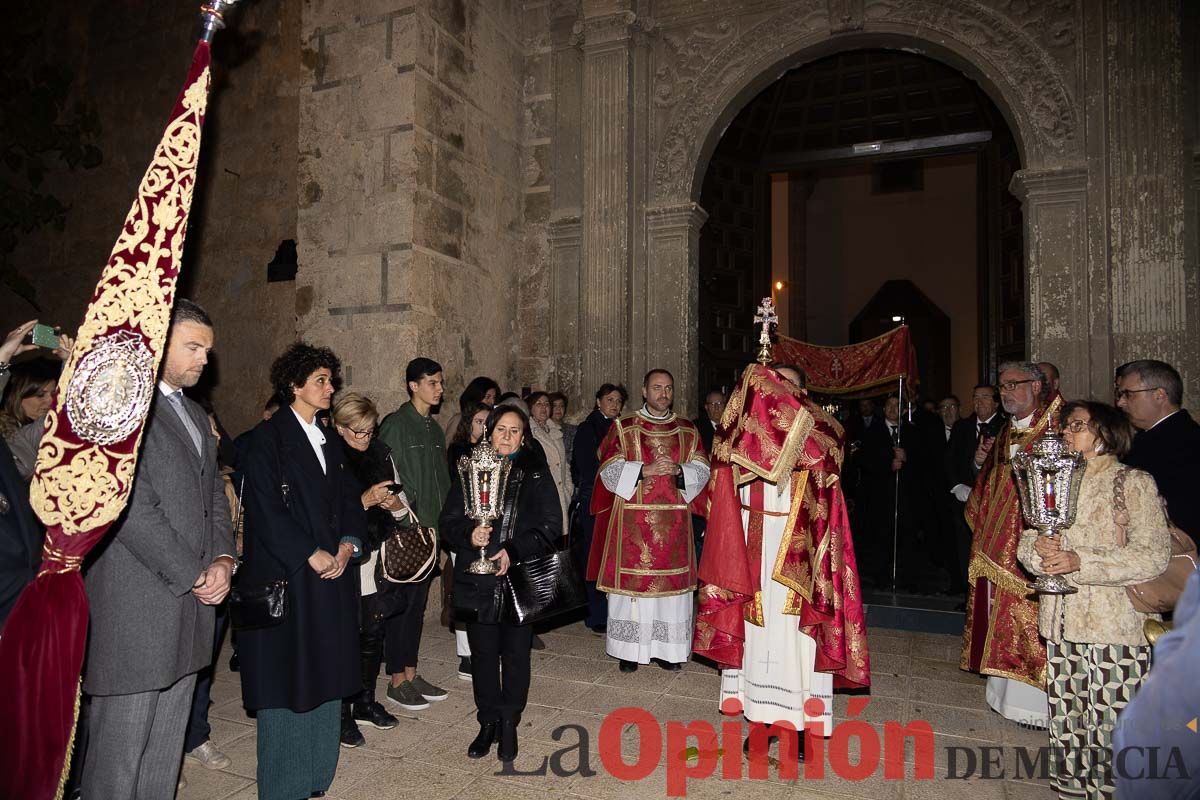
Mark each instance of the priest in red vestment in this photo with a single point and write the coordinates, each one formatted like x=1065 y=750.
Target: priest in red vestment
x=653 y=471
x=780 y=601
x=1001 y=639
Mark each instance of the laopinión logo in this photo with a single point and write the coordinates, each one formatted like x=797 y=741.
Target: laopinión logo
x=693 y=749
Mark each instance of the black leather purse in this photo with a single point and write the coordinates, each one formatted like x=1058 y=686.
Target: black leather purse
x=264 y=605
x=258 y=606
x=539 y=588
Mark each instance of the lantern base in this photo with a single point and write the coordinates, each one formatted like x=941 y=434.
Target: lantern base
x=481 y=565
x=1052 y=584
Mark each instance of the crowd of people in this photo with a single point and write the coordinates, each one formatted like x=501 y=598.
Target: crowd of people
x=348 y=509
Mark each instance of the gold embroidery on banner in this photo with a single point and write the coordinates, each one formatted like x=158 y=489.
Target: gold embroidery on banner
x=81 y=487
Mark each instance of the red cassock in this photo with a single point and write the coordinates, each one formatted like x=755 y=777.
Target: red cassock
x=770 y=429
x=644 y=546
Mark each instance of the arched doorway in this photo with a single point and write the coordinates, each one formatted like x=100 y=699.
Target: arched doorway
x=850 y=174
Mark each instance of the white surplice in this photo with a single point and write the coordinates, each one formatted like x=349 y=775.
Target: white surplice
x=777 y=674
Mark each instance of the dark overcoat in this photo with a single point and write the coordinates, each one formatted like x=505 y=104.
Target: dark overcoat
x=311 y=657
x=147 y=630
x=1170 y=452
x=20 y=537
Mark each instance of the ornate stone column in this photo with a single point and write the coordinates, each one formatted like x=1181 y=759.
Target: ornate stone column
x=1062 y=323
x=565 y=237
x=1153 y=294
x=672 y=323
x=604 y=321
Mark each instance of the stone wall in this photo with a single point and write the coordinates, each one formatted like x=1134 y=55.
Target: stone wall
x=131 y=62
x=410 y=192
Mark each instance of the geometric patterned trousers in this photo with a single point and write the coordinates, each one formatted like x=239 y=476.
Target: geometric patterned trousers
x=1088 y=685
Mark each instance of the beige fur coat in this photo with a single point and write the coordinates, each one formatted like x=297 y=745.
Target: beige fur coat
x=1100 y=613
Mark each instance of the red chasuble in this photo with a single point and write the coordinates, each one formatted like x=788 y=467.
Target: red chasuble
x=768 y=432
x=644 y=546
x=1001 y=637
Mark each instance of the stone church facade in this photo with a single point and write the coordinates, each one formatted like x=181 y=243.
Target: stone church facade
x=512 y=188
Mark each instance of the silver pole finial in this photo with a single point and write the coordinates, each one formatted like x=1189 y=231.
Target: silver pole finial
x=212 y=14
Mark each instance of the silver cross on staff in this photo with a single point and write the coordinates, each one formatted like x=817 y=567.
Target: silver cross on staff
x=766 y=316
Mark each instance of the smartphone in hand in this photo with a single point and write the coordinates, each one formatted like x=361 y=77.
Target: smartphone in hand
x=44 y=336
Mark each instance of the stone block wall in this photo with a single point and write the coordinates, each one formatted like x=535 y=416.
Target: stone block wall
x=410 y=188
x=130 y=60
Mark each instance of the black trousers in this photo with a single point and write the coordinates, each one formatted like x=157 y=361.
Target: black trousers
x=198 y=729
x=499 y=669
x=403 y=640
x=597 y=613
x=382 y=620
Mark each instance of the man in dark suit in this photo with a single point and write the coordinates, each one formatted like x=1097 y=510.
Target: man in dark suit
x=710 y=415
x=962 y=465
x=891 y=446
x=154 y=583
x=1168 y=441
x=20 y=536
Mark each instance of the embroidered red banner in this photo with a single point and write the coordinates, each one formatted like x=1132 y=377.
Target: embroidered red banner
x=861 y=369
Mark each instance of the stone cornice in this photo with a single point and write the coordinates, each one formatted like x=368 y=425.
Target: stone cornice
x=1030 y=183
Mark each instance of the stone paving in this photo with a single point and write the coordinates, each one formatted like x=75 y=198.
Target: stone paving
x=915 y=676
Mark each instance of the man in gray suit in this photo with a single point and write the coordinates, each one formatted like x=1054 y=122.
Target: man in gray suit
x=154 y=584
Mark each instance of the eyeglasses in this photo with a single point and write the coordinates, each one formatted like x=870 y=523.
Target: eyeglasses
x=1011 y=386
x=1125 y=394
x=1076 y=425
x=367 y=434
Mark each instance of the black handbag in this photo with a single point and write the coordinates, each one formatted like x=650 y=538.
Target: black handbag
x=264 y=605
x=542 y=587
x=258 y=606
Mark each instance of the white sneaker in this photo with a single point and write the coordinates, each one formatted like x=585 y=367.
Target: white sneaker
x=209 y=756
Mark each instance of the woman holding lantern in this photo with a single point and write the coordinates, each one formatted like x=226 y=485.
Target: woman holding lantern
x=529 y=525
x=1097 y=654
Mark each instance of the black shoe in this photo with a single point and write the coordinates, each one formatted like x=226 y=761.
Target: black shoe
x=507 y=751
x=234 y=663
x=483 y=742
x=669 y=666
x=317 y=794
x=599 y=630
x=351 y=735
x=537 y=643
x=628 y=666
x=373 y=714
x=464 y=668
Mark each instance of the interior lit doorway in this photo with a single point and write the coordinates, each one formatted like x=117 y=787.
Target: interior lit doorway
x=868 y=185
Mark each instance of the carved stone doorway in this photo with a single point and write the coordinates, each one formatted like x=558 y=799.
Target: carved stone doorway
x=863 y=127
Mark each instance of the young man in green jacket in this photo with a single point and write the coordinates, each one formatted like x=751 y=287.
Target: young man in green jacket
x=418 y=451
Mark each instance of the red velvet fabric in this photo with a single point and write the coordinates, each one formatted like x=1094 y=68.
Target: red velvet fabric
x=856 y=369
x=45 y=637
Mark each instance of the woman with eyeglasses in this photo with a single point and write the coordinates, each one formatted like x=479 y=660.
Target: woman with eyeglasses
x=355 y=418
x=1096 y=652
x=549 y=435
x=529 y=526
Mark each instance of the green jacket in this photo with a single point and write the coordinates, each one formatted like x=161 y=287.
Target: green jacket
x=418 y=447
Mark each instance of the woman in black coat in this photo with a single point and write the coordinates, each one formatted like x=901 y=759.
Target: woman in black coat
x=304 y=523
x=529 y=526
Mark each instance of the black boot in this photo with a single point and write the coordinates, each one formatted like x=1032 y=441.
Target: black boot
x=628 y=666
x=351 y=735
x=507 y=751
x=483 y=742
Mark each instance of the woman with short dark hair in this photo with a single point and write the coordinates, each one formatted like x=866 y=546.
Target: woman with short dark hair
x=530 y=525
x=1096 y=651
x=304 y=523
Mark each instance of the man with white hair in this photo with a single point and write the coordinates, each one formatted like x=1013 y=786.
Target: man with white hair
x=1000 y=638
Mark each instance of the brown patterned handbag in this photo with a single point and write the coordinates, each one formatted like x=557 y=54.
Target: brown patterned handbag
x=409 y=553
x=1158 y=595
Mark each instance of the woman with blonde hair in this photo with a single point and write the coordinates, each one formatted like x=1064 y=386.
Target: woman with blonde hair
x=355 y=419
x=1096 y=652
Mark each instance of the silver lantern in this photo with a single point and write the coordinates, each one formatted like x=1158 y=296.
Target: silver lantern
x=484 y=473
x=1048 y=480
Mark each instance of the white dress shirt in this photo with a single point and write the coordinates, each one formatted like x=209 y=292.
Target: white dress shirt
x=316 y=437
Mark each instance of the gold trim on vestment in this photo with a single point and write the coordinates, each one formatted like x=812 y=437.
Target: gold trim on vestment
x=982 y=566
x=799 y=483
x=677 y=571
x=655 y=507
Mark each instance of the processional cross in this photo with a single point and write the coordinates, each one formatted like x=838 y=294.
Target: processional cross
x=767 y=317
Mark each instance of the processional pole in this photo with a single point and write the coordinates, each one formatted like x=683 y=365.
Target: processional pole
x=896 y=493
